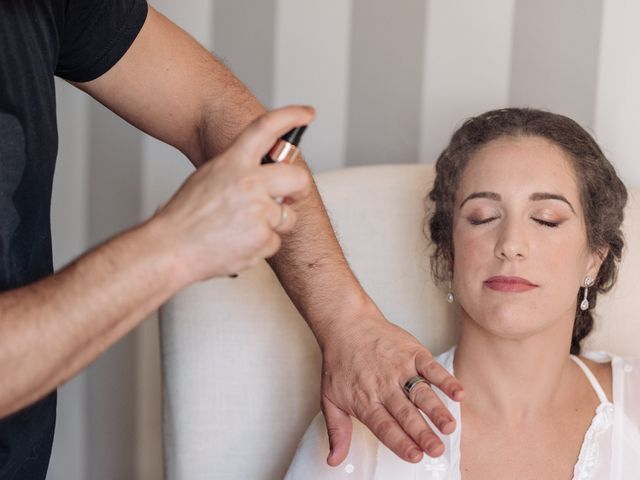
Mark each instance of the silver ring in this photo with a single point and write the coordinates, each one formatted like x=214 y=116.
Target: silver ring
x=283 y=216
x=410 y=384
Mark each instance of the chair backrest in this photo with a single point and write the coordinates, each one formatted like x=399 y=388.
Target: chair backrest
x=240 y=367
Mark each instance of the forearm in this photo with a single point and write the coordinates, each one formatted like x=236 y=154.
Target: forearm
x=315 y=274
x=310 y=264
x=53 y=328
x=190 y=100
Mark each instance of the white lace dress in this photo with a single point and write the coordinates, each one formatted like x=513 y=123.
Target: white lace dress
x=610 y=450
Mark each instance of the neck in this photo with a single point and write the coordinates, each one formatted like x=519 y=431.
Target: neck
x=519 y=378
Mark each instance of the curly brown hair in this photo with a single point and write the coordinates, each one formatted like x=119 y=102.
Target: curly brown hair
x=602 y=194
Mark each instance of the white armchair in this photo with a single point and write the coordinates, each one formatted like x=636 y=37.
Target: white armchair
x=241 y=369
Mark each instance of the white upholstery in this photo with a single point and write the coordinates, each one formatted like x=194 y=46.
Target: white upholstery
x=241 y=369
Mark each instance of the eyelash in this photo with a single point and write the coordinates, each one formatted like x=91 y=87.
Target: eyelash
x=473 y=221
x=547 y=224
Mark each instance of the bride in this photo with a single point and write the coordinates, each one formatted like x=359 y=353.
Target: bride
x=526 y=228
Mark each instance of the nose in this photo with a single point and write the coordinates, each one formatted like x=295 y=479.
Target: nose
x=512 y=243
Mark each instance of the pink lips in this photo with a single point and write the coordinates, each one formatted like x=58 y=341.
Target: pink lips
x=509 y=284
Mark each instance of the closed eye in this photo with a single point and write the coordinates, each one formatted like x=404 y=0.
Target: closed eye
x=481 y=221
x=546 y=223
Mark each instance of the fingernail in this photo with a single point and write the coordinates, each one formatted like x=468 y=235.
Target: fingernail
x=433 y=449
x=447 y=426
x=414 y=455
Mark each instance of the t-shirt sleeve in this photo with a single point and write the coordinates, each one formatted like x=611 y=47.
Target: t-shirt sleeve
x=96 y=34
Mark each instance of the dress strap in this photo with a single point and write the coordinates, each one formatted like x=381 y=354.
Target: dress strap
x=592 y=379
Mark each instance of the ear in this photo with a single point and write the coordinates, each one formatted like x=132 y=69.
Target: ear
x=595 y=261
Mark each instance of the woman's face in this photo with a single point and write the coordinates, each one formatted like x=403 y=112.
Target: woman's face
x=519 y=236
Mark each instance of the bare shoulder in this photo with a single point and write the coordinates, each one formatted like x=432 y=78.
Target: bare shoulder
x=603 y=373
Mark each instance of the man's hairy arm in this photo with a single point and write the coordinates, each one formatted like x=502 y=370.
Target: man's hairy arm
x=56 y=326
x=51 y=329
x=172 y=88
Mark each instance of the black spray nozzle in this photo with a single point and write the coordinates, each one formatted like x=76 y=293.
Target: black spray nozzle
x=294 y=135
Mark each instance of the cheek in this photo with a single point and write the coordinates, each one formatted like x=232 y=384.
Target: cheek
x=472 y=253
x=563 y=258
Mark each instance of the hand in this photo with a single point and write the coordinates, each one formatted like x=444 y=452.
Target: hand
x=364 y=369
x=225 y=218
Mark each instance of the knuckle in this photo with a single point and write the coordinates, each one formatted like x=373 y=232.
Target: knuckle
x=246 y=184
x=404 y=414
x=430 y=368
x=406 y=447
x=362 y=403
x=303 y=176
x=261 y=238
x=384 y=428
x=381 y=383
x=265 y=123
x=422 y=395
x=334 y=433
x=426 y=399
x=424 y=355
x=253 y=212
x=426 y=437
x=275 y=245
x=450 y=384
x=440 y=412
x=298 y=176
x=307 y=183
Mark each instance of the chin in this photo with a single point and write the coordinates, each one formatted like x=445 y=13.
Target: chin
x=513 y=321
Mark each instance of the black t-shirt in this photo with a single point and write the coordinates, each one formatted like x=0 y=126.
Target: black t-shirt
x=77 y=40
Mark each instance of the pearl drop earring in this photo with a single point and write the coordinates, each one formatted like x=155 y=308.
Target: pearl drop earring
x=584 y=305
x=450 y=297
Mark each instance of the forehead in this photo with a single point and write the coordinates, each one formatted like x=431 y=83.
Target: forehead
x=520 y=164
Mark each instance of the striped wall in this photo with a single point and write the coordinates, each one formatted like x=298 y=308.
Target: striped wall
x=390 y=81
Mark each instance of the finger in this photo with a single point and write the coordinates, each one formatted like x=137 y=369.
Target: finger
x=437 y=375
x=272 y=246
x=386 y=428
x=423 y=397
x=339 y=428
x=410 y=419
x=258 y=138
x=286 y=219
x=290 y=181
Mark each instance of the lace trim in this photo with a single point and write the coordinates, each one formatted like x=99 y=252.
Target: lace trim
x=436 y=468
x=588 y=458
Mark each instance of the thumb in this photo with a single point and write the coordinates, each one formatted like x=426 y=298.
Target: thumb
x=339 y=428
x=263 y=132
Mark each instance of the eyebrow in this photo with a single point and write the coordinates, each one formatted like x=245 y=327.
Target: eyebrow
x=537 y=196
